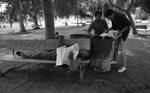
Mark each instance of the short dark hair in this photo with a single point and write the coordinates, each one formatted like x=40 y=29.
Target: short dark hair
x=109 y=12
x=98 y=12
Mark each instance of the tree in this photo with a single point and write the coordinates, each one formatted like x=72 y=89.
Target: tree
x=17 y=5
x=90 y=6
x=10 y=13
x=32 y=8
x=47 y=6
x=65 y=8
x=126 y=7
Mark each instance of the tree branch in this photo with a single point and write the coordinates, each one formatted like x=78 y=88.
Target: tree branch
x=130 y=5
x=30 y=14
x=117 y=6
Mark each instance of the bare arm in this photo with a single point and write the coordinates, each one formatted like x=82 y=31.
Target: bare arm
x=90 y=29
x=106 y=31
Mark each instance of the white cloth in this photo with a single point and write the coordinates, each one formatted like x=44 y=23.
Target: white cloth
x=112 y=33
x=63 y=54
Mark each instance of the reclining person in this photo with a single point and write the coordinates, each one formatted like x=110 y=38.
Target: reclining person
x=52 y=55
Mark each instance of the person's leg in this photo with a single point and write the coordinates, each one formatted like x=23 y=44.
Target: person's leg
x=29 y=55
x=123 y=56
x=115 y=51
x=50 y=55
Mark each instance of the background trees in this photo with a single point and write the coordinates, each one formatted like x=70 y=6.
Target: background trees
x=65 y=8
x=19 y=10
x=32 y=8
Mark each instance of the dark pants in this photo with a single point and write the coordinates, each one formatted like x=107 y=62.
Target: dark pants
x=50 y=55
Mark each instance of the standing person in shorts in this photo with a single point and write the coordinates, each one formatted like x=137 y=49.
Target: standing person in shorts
x=122 y=24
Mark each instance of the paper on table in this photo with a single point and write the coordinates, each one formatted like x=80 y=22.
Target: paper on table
x=112 y=33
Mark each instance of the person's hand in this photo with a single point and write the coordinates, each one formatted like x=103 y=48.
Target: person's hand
x=118 y=34
x=84 y=54
x=105 y=31
x=70 y=55
x=89 y=33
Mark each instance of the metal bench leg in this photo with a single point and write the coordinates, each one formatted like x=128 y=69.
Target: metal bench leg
x=81 y=72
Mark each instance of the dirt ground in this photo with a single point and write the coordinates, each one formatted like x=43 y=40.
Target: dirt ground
x=44 y=78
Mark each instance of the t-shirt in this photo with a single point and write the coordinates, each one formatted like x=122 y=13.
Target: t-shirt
x=119 y=22
x=99 y=26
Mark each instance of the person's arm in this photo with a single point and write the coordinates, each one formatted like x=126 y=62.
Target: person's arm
x=106 y=26
x=112 y=28
x=124 y=29
x=90 y=29
x=106 y=31
x=126 y=23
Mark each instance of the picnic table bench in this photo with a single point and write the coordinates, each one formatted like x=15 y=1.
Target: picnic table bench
x=83 y=24
x=47 y=44
x=141 y=27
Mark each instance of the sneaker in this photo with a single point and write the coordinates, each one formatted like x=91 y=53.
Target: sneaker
x=113 y=62
x=122 y=69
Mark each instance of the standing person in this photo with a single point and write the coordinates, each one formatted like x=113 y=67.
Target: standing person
x=122 y=24
x=99 y=25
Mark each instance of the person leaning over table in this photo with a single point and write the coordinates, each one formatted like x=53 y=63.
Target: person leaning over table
x=99 y=25
x=122 y=24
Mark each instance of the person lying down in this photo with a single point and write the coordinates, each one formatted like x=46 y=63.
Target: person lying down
x=63 y=55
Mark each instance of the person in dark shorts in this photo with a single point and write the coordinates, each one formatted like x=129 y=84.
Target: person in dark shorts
x=99 y=25
x=122 y=24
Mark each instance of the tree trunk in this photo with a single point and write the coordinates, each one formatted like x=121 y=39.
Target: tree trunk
x=35 y=22
x=103 y=10
x=21 y=24
x=10 y=21
x=134 y=31
x=77 y=20
x=49 y=18
x=66 y=23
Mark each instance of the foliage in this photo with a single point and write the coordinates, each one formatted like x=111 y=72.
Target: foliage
x=32 y=6
x=65 y=8
x=141 y=14
x=147 y=5
x=2 y=17
x=89 y=7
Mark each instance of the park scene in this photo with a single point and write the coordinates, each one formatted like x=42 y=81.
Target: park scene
x=32 y=26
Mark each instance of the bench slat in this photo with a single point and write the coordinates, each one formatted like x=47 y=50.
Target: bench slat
x=141 y=26
x=15 y=58
x=48 y=44
x=84 y=44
